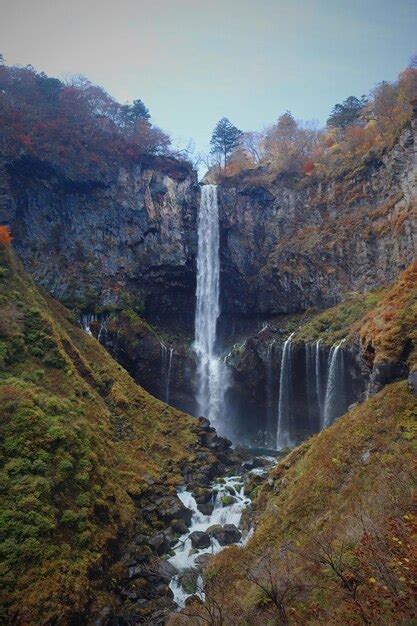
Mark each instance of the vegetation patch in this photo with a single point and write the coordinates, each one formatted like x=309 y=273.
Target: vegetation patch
x=78 y=437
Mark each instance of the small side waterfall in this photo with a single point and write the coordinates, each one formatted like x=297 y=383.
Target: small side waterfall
x=212 y=372
x=166 y=367
x=320 y=379
x=284 y=402
x=87 y=319
x=311 y=388
x=269 y=385
x=335 y=384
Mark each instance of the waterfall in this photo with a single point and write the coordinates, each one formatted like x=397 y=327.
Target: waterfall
x=212 y=372
x=319 y=379
x=168 y=377
x=335 y=384
x=310 y=372
x=166 y=366
x=86 y=320
x=269 y=384
x=284 y=402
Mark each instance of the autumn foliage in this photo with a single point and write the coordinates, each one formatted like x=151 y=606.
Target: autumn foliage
x=74 y=126
x=357 y=127
x=5 y=236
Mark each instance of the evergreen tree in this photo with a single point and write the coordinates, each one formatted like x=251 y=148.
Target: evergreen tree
x=347 y=113
x=133 y=113
x=224 y=139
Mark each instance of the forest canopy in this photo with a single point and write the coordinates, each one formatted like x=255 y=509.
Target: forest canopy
x=356 y=127
x=75 y=126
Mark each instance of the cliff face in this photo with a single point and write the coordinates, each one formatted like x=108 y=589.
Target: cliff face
x=289 y=245
x=93 y=245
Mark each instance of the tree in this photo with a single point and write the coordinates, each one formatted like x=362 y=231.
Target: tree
x=347 y=113
x=384 y=106
x=224 y=139
x=5 y=236
x=134 y=113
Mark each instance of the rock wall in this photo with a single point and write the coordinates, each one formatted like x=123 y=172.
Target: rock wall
x=288 y=245
x=129 y=242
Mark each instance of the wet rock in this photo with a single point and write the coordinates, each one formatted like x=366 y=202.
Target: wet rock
x=203 y=495
x=160 y=543
x=201 y=562
x=172 y=508
x=254 y=463
x=225 y=535
x=188 y=580
x=206 y=509
x=228 y=500
x=156 y=572
x=178 y=526
x=200 y=539
x=204 y=424
x=193 y=599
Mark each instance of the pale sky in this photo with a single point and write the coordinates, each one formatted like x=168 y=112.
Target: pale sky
x=195 y=61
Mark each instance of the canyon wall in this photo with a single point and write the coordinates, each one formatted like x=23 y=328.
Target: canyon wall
x=130 y=242
x=291 y=244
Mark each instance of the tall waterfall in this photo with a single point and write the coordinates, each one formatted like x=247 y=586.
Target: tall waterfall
x=335 y=384
x=212 y=373
x=284 y=402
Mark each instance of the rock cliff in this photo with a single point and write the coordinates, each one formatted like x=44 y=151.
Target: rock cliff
x=95 y=245
x=291 y=244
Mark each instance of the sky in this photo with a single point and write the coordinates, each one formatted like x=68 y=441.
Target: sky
x=195 y=61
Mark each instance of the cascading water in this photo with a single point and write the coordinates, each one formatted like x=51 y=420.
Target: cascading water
x=269 y=379
x=335 y=385
x=320 y=378
x=166 y=366
x=311 y=392
x=184 y=557
x=212 y=372
x=90 y=318
x=284 y=402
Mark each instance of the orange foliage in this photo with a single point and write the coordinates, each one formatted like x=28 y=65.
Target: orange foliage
x=5 y=236
x=308 y=166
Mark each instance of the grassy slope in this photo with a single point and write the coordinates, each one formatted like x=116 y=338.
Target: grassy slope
x=385 y=319
x=346 y=491
x=79 y=439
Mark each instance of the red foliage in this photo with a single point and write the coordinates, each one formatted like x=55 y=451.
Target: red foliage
x=77 y=128
x=5 y=236
x=308 y=166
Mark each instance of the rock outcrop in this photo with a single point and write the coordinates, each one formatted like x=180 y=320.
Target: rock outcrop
x=287 y=244
x=96 y=245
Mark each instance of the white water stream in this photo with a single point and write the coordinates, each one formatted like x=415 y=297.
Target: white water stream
x=184 y=557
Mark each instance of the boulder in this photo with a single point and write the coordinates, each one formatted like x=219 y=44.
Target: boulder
x=171 y=507
x=178 y=526
x=225 y=535
x=200 y=539
x=206 y=509
x=160 y=543
x=201 y=562
x=192 y=599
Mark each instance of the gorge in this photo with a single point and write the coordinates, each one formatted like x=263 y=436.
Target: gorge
x=208 y=388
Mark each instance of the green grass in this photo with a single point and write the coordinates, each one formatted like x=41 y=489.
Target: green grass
x=79 y=438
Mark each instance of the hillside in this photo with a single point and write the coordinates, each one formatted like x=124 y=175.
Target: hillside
x=334 y=539
x=82 y=448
